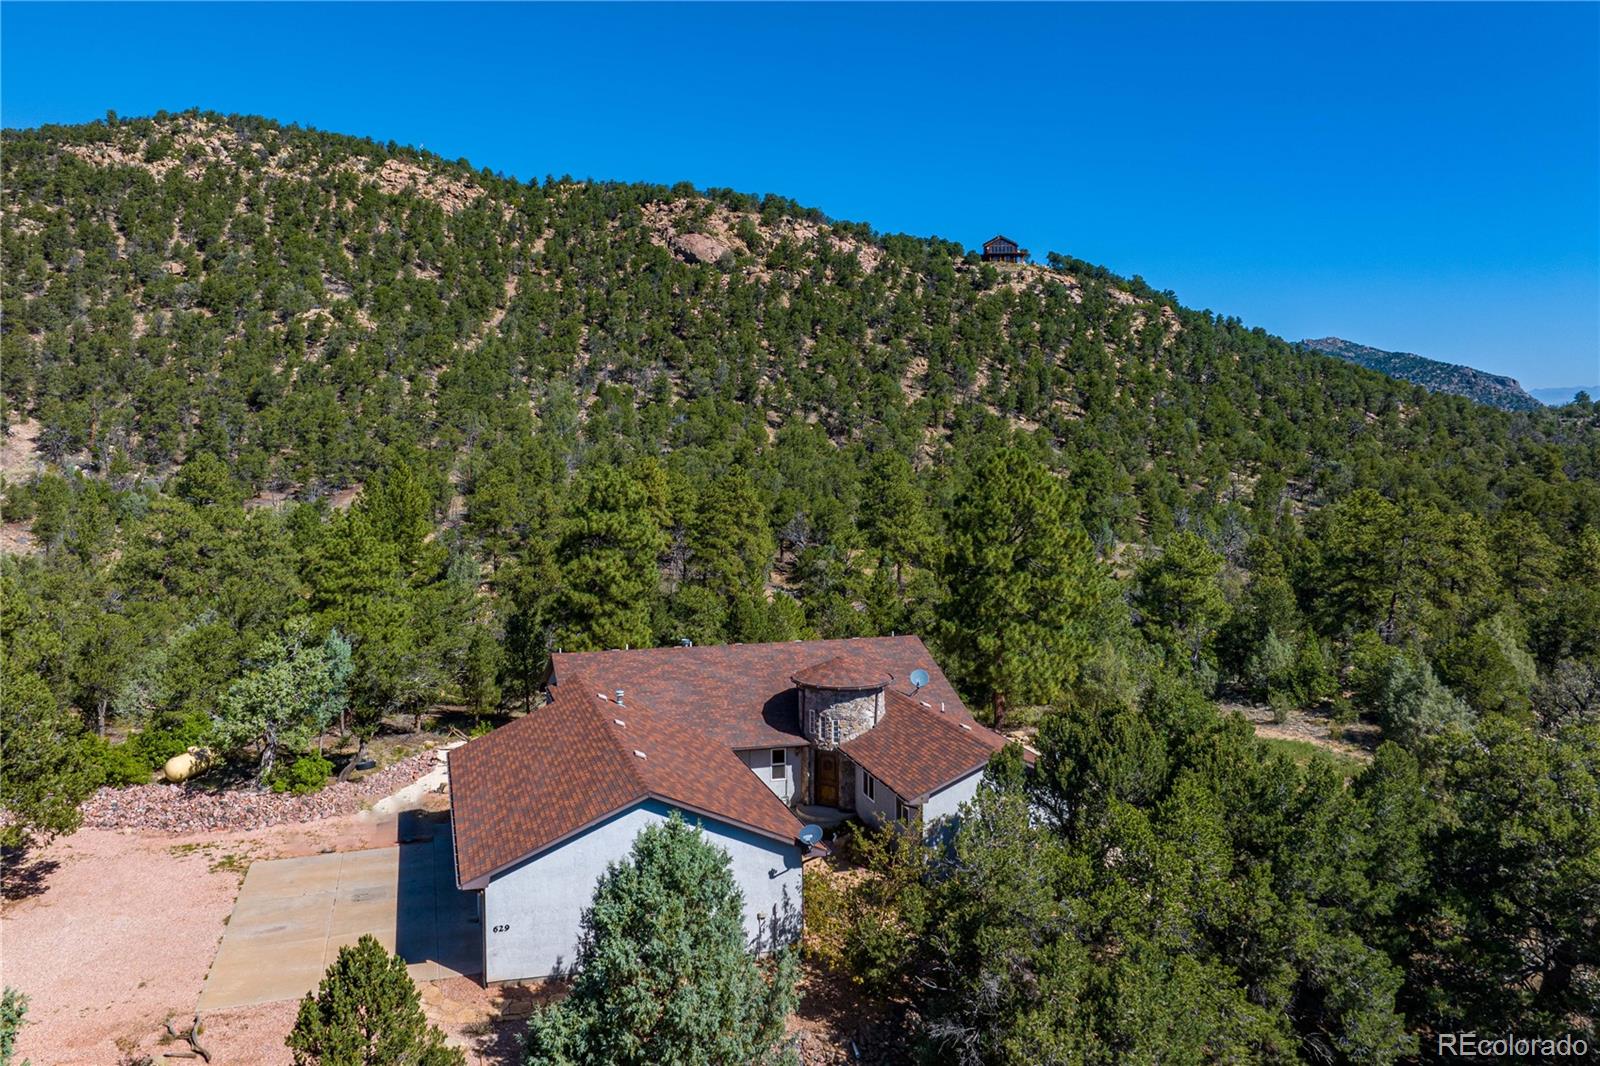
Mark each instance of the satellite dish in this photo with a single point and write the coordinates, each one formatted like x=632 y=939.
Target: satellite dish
x=810 y=834
x=918 y=679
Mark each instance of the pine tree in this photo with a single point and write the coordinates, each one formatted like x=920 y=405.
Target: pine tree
x=608 y=549
x=664 y=976
x=1018 y=619
x=366 y=1012
x=1180 y=600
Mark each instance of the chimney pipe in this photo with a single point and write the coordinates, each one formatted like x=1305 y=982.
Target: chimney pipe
x=619 y=697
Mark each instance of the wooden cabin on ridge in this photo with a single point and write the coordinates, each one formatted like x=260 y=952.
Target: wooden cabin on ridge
x=1000 y=249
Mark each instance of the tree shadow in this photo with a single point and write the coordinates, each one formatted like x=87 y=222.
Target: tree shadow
x=23 y=876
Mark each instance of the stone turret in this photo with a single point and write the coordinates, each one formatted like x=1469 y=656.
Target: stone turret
x=839 y=700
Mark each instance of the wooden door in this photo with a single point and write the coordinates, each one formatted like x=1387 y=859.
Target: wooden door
x=827 y=779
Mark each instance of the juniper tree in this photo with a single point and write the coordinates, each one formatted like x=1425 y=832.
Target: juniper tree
x=664 y=976
x=366 y=1012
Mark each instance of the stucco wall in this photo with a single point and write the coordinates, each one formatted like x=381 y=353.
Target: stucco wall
x=938 y=813
x=787 y=787
x=945 y=803
x=531 y=913
x=873 y=811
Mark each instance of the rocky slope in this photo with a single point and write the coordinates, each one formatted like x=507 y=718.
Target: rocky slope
x=1431 y=374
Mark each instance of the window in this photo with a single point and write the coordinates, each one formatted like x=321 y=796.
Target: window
x=904 y=812
x=778 y=757
x=869 y=786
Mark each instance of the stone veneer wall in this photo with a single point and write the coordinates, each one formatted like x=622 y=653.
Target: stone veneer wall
x=855 y=711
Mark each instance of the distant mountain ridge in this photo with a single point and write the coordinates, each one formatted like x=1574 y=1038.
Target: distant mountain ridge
x=1432 y=374
x=1559 y=395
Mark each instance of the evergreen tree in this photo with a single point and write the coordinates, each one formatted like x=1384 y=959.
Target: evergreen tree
x=664 y=975
x=1022 y=586
x=294 y=690
x=1180 y=600
x=49 y=764
x=608 y=549
x=366 y=1012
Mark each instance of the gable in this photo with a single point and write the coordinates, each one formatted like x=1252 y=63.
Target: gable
x=568 y=766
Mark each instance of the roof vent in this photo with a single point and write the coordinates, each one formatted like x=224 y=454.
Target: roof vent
x=619 y=697
x=619 y=721
x=685 y=642
x=967 y=727
x=639 y=753
x=601 y=696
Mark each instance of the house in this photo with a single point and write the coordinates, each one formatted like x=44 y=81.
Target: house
x=749 y=741
x=1000 y=249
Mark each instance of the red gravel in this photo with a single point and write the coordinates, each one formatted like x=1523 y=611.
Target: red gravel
x=190 y=808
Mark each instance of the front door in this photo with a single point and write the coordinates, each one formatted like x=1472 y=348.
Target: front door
x=827 y=779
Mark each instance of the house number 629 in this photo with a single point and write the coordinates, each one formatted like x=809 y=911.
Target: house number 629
x=501 y=928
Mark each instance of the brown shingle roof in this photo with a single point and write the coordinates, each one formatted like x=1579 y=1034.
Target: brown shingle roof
x=743 y=694
x=916 y=750
x=840 y=673
x=535 y=782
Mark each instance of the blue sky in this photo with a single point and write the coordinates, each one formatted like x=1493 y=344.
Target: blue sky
x=1415 y=177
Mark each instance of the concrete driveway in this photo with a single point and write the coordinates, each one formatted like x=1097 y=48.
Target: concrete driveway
x=293 y=915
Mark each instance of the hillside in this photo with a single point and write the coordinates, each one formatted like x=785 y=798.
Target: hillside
x=294 y=301
x=1431 y=374
x=310 y=441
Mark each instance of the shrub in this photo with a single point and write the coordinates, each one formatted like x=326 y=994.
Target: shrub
x=120 y=764
x=168 y=735
x=366 y=1012
x=1281 y=703
x=13 y=1008
x=1414 y=704
x=305 y=775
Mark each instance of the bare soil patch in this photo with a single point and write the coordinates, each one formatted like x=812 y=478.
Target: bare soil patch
x=1356 y=740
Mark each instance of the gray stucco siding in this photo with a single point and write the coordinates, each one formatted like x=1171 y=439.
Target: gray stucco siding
x=877 y=809
x=939 y=811
x=945 y=804
x=759 y=760
x=532 y=912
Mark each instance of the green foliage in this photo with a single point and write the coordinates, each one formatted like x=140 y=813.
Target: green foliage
x=663 y=973
x=293 y=692
x=366 y=1012
x=168 y=734
x=301 y=777
x=13 y=1012
x=1024 y=589
x=1180 y=601
x=1412 y=704
x=50 y=765
x=607 y=552
x=120 y=764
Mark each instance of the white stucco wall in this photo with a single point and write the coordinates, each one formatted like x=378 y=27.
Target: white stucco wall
x=944 y=804
x=786 y=787
x=938 y=813
x=532 y=912
x=873 y=811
